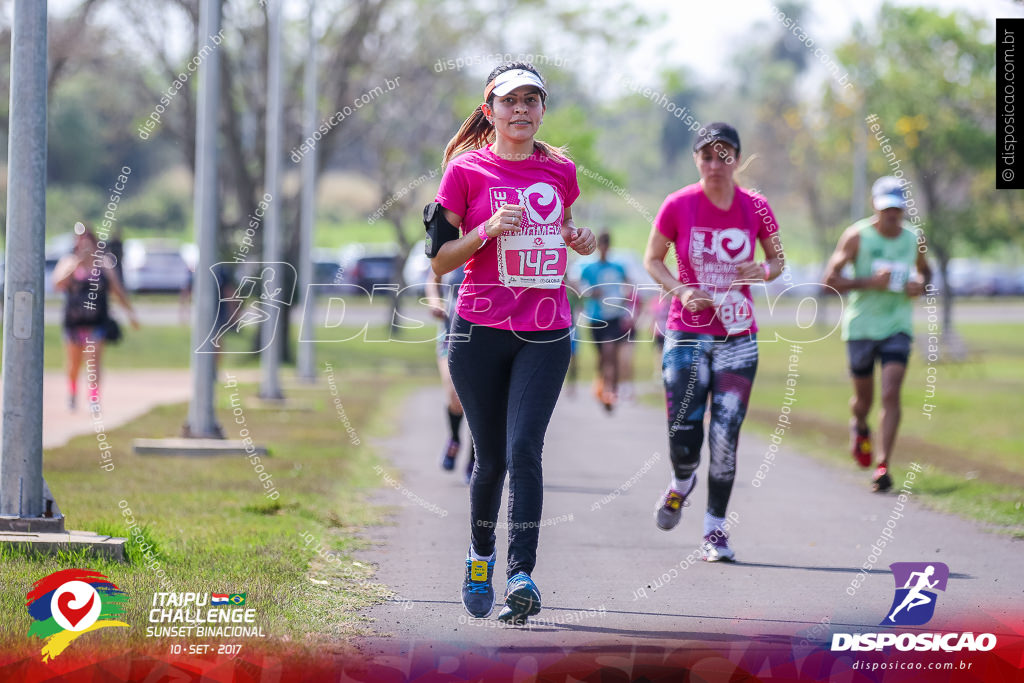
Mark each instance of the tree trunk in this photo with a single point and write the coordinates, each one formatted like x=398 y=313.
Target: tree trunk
x=947 y=290
x=940 y=244
x=403 y=254
x=820 y=222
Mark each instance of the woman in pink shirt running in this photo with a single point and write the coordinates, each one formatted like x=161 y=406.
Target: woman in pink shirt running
x=510 y=196
x=711 y=342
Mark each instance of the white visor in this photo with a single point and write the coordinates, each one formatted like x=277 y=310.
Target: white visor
x=506 y=82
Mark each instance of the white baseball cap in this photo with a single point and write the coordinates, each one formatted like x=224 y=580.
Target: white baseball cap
x=507 y=81
x=888 y=193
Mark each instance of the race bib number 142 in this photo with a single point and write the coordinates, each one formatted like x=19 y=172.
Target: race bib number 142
x=532 y=260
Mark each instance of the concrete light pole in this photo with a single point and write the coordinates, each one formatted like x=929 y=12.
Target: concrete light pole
x=202 y=421
x=270 y=359
x=306 y=359
x=21 y=458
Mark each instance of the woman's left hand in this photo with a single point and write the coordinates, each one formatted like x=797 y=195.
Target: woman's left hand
x=581 y=240
x=750 y=271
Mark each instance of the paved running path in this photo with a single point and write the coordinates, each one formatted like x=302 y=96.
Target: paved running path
x=800 y=539
x=125 y=395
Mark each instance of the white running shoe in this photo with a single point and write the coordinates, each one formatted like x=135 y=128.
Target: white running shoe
x=715 y=548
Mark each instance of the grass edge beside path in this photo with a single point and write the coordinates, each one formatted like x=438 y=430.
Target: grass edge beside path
x=309 y=590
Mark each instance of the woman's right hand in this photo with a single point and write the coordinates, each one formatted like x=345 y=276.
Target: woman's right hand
x=694 y=299
x=437 y=308
x=509 y=218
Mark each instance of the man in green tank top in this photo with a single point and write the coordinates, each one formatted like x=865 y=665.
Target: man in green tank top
x=889 y=269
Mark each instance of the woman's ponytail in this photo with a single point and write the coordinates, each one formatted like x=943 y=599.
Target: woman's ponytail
x=475 y=132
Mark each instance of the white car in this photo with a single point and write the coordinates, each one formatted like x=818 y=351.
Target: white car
x=416 y=270
x=154 y=266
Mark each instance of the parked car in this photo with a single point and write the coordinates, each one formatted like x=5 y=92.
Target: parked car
x=328 y=273
x=154 y=266
x=190 y=252
x=993 y=279
x=370 y=265
x=416 y=271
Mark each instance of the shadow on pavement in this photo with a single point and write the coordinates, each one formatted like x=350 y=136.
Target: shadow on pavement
x=842 y=570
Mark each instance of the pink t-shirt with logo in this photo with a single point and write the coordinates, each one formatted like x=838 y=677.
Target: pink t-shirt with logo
x=710 y=245
x=514 y=281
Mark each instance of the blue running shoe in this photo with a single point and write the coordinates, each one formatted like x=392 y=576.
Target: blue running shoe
x=477 y=592
x=522 y=599
x=448 y=457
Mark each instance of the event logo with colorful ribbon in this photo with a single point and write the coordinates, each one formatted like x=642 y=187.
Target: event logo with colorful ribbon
x=70 y=603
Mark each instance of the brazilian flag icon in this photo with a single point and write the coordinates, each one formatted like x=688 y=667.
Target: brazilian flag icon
x=237 y=598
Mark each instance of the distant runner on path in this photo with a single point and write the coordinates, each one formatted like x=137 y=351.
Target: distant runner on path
x=441 y=294
x=877 y=321
x=87 y=277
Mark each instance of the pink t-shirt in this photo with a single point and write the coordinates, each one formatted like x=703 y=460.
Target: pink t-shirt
x=710 y=245
x=515 y=281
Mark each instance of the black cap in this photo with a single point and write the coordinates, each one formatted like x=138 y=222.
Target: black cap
x=717 y=131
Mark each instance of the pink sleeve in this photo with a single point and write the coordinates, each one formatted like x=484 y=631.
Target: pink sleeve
x=666 y=220
x=572 y=186
x=453 y=194
x=766 y=223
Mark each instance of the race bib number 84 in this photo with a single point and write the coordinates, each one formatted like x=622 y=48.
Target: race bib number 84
x=532 y=260
x=734 y=312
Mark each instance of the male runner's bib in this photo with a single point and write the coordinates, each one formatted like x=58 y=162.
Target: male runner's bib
x=879 y=314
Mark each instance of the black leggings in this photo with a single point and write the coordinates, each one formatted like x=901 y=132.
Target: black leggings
x=508 y=383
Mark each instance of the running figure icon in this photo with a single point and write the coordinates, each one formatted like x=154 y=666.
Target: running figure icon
x=254 y=314
x=916 y=586
x=916 y=597
x=259 y=299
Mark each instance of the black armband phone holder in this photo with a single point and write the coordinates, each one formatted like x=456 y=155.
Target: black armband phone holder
x=439 y=230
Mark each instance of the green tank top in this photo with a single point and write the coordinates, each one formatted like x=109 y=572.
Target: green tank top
x=876 y=314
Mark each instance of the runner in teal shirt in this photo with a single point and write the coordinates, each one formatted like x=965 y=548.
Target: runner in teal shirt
x=606 y=292
x=889 y=269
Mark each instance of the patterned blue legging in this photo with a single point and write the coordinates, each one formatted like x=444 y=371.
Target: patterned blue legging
x=695 y=366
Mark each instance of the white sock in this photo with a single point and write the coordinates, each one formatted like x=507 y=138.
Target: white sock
x=683 y=485
x=473 y=555
x=712 y=523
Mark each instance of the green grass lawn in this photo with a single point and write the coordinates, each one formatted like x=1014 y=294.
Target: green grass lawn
x=167 y=347
x=212 y=528
x=211 y=525
x=972 y=446
x=147 y=347
x=972 y=423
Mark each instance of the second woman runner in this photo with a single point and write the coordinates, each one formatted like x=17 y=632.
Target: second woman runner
x=711 y=341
